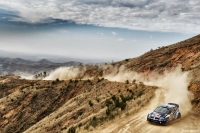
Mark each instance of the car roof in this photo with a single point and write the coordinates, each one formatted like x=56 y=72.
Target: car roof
x=167 y=106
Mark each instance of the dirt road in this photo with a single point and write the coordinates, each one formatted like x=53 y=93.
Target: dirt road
x=136 y=123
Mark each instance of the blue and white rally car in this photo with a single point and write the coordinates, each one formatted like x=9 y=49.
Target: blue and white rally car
x=164 y=114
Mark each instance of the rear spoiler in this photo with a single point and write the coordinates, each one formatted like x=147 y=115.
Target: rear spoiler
x=174 y=104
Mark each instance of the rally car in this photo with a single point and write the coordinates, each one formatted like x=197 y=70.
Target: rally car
x=164 y=114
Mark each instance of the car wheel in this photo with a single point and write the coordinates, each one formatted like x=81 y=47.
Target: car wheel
x=179 y=116
x=167 y=122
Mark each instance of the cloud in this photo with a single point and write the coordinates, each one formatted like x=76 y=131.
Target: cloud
x=99 y=33
x=63 y=31
x=133 y=40
x=153 y=15
x=114 y=33
x=120 y=39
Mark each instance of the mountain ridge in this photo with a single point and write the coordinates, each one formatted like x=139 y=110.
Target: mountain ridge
x=11 y=65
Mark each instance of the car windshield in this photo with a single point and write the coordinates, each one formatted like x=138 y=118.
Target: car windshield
x=161 y=109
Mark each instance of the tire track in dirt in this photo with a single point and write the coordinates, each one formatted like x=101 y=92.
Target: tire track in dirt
x=137 y=123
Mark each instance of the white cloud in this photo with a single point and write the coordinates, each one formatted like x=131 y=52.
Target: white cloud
x=99 y=33
x=133 y=40
x=120 y=39
x=154 y=15
x=63 y=31
x=114 y=33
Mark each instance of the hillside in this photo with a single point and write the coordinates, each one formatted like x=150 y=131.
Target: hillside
x=185 y=53
x=97 y=98
x=54 y=106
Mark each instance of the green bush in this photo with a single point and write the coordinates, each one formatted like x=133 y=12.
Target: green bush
x=108 y=102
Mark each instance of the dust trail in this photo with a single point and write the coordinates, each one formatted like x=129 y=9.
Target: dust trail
x=65 y=73
x=24 y=75
x=174 y=84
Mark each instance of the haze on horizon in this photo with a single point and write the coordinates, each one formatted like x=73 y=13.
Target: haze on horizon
x=95 y=29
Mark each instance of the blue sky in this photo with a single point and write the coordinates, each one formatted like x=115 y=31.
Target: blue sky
x=95 y=29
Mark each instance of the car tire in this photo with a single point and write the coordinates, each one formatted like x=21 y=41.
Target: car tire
x=179 y=116
x=167 y=122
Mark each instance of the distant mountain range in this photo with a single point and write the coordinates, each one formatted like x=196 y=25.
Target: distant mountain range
x=53 y=58
x=12 y=65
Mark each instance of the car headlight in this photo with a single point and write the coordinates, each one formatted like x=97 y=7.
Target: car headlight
x=161 y=119
x=149 y=115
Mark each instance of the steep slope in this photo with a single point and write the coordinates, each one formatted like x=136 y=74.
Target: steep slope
x=185 y=53
x=55 y=106
x=84 y=97
x=152 y=65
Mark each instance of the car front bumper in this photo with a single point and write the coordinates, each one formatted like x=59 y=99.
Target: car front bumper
x=156 y=121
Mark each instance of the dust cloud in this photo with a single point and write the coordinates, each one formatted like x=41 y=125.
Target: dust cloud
x=174 y=84
x=24 y=75
x=65 y=73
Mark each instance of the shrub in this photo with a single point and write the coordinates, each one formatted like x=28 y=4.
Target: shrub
x=94 y=122
x=87 y=127
x=97 y=100
x=123 y=98
x=90 y=103
x=80 y=124
x=99 y=80
x=72 y=130
x=122 y=105
x=76 y=81
x=108 y=111
x=126 y=60
x=140 y=93
x=113 y=97
x=134 y=81
x=108 y=102
x=34 y=96
x=80 y=112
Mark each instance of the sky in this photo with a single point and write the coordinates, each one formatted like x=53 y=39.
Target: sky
x=95 y=29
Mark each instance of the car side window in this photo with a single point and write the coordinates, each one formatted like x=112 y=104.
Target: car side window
x=170 y=111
